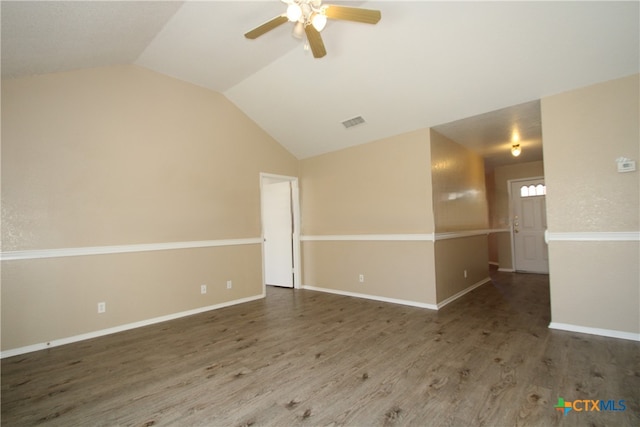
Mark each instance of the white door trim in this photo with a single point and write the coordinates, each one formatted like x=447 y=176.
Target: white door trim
x=295 y=207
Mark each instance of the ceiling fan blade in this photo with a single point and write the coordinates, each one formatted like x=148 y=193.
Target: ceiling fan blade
x=267 y=26
x=315 y=42
x=368 y=16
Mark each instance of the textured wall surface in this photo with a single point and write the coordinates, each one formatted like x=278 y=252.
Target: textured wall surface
x=380 y=188
x=123 y=156
x=594 y=281
x=584 y=132
x=459 y=194
x=460 y=204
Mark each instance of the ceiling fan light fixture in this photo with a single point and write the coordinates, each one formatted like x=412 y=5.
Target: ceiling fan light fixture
x=310 y=17
x=294 y=12
x=516 y=150
x=319 y=21
x=298 y=30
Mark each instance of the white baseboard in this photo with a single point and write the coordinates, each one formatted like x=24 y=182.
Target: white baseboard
x=426 y=237
x=467 y=233
x=463 y=292
x=121 y=328
x=595 y=331
x=507 y=270
x=401 y=301
x=372 y=297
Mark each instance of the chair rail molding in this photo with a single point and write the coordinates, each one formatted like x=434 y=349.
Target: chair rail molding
x=592 y=236
x=120 y=249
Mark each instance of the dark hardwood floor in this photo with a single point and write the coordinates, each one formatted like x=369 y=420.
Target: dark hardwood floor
x=308 y=358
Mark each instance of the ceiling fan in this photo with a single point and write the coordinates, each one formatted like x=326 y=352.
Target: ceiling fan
x=310 y=17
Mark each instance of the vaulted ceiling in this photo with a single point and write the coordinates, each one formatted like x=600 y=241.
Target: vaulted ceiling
x=473 y=70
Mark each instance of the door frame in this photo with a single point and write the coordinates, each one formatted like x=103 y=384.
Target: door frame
x=295 y=208
x=511 y=214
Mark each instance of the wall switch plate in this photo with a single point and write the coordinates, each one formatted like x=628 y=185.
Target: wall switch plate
x=203 y=289
x=102 y=307
x=229 y=284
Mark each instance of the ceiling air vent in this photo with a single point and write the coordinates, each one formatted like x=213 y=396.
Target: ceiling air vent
x=353 y=122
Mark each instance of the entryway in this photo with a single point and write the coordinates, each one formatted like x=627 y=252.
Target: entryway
x=528 y=225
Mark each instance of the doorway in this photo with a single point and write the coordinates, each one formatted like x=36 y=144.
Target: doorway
x=528 y=224
x=280 y=211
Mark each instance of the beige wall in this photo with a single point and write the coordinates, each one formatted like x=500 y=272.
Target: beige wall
x=492 y=239
x=593 y=283
x=379 y=188
x=500 y=208
x=394 y=186
x=459 y=195
x=53 y=299
x=585 y=131
x=460 y=204
x=398 y=270
x=122 y=156
x=453 y=257
x=596 y=285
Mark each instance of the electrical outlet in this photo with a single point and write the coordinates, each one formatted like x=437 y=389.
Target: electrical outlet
x=465 y=274
x=203 y=289
x=102 y=307
x=361 y=278
x=229 y=284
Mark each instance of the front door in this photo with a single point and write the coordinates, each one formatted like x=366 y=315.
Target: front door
x=528 y=224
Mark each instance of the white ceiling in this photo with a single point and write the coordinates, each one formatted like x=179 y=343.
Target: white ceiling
x=492 y=134
x=45 y=37
x=425 y=64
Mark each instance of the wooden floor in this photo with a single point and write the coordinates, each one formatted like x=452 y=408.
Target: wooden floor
x=313 y=359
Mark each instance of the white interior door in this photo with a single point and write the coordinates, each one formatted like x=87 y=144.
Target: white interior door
x=277 y=223
x=529 y=222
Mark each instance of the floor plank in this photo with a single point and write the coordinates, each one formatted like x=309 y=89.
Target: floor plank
x=306 y=358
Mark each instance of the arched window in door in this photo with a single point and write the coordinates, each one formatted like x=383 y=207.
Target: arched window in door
x=533 y=190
